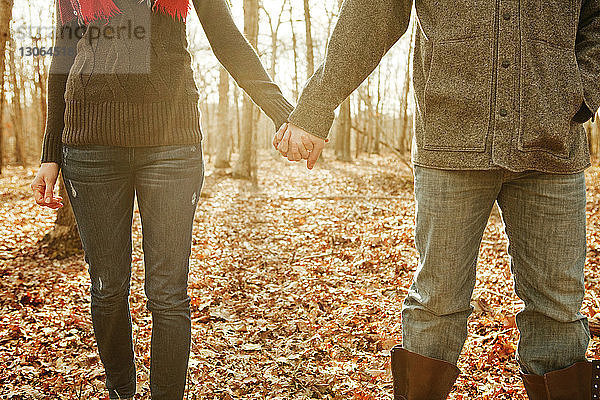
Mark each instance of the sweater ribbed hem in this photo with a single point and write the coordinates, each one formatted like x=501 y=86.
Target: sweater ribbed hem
x=278 y=109
x=51 y=149
x=267 y=96
x=131 y=124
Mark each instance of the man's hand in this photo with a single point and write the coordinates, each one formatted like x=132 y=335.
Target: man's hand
x=296 y=144
x=43 y=186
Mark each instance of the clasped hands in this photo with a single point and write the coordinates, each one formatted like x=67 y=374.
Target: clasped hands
x=296 y=144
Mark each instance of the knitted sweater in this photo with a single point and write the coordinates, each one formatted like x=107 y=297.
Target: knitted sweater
x=129 y=81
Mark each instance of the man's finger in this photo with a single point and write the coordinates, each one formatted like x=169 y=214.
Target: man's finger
x=314 y=156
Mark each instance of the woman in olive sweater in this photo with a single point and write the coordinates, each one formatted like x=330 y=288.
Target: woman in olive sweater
x=123 y=122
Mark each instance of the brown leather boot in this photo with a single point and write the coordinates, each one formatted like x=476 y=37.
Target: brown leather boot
x=535 y=386
x=417 y=377
x=575 y=382
x=580 y=381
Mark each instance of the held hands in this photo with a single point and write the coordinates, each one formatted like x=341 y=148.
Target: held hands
x=296 y=144
x=43 y=186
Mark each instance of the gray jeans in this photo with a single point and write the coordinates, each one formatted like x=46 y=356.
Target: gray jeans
x=544 y=218
x=102 y=182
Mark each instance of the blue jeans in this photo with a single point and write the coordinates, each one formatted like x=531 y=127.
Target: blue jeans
x=545 y=221
x=101 y=182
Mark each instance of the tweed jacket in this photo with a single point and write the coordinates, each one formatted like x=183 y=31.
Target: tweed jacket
x=497 y=83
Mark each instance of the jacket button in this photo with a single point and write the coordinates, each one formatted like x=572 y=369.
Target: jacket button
x=506 y=16
x=503 y=112
x=505 y=64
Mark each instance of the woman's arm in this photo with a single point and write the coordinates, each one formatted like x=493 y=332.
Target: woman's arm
x=239 y=58
x=63 y=55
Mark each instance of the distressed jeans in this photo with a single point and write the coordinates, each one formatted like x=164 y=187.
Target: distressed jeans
x=545 y=221
x=102 y=182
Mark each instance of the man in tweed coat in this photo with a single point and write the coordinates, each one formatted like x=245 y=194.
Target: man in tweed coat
x=502 y=88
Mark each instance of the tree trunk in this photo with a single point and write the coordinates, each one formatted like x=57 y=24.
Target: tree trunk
x=343 y=127
x=246 y=164
x=295 y=52
x=224 y=138
x=40 y=83
x=310 y=63
x=274 y=38
x=593 y=134
x=17 y=109
x=377 y=117
x=406 y=124
x=63 y=240
x=6 y=7
x=343 y=131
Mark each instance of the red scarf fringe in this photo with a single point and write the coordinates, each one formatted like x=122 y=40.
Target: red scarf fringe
x=92 y=10
x=177 y=9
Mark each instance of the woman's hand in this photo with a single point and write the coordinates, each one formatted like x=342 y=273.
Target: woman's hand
x=43 y=186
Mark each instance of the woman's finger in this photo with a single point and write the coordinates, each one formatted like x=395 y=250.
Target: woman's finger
x=284 y=143
x=49 y=191
x=304 y=153
x=279 y=135
x=38 y=191
x=293 y=153
x=307 y=142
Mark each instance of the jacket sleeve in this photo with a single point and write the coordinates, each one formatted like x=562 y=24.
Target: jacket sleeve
x=364 y=32
x=63 y=55
x=587 y=50
x=239 y=59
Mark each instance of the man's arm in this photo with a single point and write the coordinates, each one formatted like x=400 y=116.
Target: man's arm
x=587 y=50
x=239 y=59
x=364 y=32
x=63 y=55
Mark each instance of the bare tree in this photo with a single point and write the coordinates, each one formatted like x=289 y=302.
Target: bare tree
x=40 y=81
x=406 y=137
x=224 y=138
x=246 y=164
x=295 y=51
x=342 y=133
x=16 y=107
x=593 y=133
x=344 y=127
x=63 y=240
x=274 y=26
x=310 y=62
x=6 y=7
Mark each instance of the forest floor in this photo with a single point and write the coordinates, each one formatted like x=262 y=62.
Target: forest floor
x=296 y=290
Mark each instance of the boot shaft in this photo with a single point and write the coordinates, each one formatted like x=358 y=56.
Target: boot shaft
x=417 y=377
x=580 y=381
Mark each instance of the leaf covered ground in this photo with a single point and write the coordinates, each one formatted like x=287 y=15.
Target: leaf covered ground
x=296 y=290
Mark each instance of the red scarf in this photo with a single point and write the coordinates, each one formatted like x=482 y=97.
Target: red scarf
x=91 y=10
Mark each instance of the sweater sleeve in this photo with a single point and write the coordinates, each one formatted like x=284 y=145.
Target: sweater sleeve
x=364 y=32
x=587 y=50
x=63 y=55
x=240 y=59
